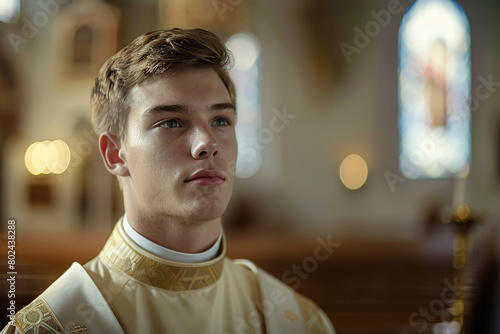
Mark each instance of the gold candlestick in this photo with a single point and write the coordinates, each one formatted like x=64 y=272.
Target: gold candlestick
x=463 y=222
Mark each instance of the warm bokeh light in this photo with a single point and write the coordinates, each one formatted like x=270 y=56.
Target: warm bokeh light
x=353 y=172
x=245 y=51
x=463 y=212
x=47 y=157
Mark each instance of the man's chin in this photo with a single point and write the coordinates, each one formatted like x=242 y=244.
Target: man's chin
x=206 y=210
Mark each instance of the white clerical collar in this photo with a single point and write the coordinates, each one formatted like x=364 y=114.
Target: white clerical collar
x=169 y=254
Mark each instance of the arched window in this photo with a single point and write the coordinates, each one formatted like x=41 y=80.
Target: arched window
x=246 y=75
x=434 y=90
x=82 y=45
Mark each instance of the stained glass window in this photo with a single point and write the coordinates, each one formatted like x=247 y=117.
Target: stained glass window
x=246 y=75
x=9 y=10
x=434 y=90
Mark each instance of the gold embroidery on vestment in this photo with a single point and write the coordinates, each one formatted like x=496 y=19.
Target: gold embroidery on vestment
x=169 y=275
x=38 y=318
x=78 y=329
x=291 y=315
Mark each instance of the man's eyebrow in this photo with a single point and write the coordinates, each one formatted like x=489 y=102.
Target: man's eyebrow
x=181 y=108
x=222 y=106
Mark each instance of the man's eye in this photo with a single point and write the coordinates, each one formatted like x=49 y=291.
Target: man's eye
x=171 y=123
x=221 y=121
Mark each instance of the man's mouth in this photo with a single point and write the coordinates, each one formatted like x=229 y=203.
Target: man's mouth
x=207 y=177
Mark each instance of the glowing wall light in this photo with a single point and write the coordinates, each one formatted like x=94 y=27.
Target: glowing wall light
x=353 y=172
x=47 y=157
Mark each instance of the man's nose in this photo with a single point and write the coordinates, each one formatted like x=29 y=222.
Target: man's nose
x=204 y=144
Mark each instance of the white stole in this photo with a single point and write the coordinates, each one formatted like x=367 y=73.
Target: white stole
x=72 y=304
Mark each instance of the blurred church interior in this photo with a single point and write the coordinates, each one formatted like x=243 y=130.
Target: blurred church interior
x=369 y=130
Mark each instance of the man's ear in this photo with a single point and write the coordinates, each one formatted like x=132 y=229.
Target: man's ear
x=112 y=154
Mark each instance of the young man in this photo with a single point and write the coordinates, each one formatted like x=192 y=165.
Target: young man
x=164 y=109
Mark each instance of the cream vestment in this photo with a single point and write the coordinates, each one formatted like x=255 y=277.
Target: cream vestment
x=126 y=289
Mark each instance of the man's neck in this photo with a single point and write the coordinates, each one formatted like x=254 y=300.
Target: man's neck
x=180 y=236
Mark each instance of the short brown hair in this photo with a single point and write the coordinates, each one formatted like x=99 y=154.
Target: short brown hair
x=160 y=51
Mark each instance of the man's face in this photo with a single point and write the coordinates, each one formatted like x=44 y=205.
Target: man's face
x=180 y=125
